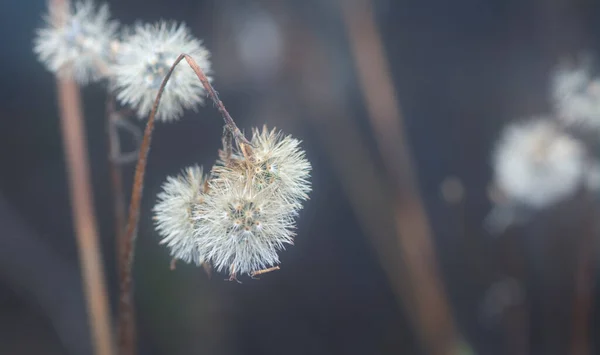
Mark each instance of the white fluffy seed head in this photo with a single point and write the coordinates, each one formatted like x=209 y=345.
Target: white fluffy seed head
x=240 y=230
x=75 y=41
x=173 y=213
x=537 y=164
x=278 y=162
x=576 y=96
x=143 y=60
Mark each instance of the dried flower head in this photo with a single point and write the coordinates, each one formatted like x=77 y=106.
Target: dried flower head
x=537 y=164
x=277 y=162
x=576 y=96
x=144 y=58
x=76 y=41
x=173 y=213
x=240 y=229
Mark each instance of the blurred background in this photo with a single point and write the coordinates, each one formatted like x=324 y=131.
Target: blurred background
x=398 y=104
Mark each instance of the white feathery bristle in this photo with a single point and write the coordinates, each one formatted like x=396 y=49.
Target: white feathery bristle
x=537 y=164
x=76 y=41
x=173 y=213
x=143 y=60
x=241 y=229
x=576 y=97
x=278 y=162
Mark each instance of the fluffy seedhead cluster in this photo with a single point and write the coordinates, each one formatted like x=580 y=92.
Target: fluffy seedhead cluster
x=81 y=42
x=238 y=219
x=544 y=160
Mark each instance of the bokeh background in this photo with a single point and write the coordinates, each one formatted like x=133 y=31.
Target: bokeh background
x=460 y=71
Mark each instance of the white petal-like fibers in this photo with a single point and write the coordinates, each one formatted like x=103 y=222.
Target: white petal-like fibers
x=173 y=213
x=241 y=230
x=576 y=96
x=75 y=41
x=247 y=213
x=143 y=60
x=537 y=164
x=278 y=162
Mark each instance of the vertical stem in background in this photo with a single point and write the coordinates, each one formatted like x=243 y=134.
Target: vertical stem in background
x=433 y=317
x=584 y=283
x=115 y=173
x=82 y=206
x=84 y=216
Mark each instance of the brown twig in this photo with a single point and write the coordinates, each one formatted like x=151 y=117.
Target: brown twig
x=126 y=309
x=82 y=206
x=229 y=123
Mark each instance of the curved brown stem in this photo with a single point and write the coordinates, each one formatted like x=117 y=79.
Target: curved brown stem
x=126 y=309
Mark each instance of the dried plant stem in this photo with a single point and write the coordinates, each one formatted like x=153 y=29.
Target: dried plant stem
x=229 y=123
x=584 y=283
x=115 y=173
x=432 y=315
x=84 y=216
x=126 y=308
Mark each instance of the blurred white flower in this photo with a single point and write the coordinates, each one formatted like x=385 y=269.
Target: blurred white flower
x=241 y=229
x=576 y=96
x=76 y=41
x=277 y=162
x=144 y=58
x=537 y=164
x=173 y=213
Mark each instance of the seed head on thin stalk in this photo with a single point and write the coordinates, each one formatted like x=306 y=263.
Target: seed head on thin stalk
x=144 y=57
x=76 y=40
x=126 y=316
x=173 y=213
x=241 y=229
x=277 y=162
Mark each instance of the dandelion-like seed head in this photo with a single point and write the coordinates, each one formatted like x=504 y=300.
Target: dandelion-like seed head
x=537 y=164
x=240 y=230
x=76 y=41
x=277 y=162
x=145 y=56
x=576 y=96
x=174 y=213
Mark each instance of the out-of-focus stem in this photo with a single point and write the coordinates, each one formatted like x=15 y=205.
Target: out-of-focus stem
x=116 y=176
x=584 y=282
x=84 y=216
x=82 y=206
x=432 y=315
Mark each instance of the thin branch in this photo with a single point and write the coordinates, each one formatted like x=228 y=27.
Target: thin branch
x=126 y=310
